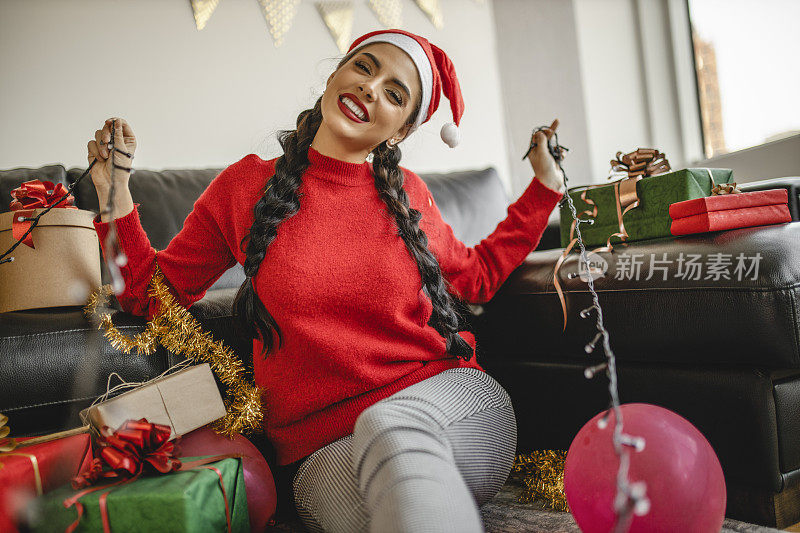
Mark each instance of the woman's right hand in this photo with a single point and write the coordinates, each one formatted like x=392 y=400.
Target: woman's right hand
x=124 y=140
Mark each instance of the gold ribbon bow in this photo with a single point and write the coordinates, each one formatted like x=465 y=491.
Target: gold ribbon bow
x=724 y=188
x=642 y=162
x=638 y=164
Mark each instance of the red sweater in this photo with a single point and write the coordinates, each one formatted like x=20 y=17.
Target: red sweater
x=340 y=283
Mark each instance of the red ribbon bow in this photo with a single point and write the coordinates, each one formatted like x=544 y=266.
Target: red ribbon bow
x=126 y=452
x=35 y=194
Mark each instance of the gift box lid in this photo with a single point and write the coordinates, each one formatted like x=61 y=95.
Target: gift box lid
x=78 y=218
x=725 y=202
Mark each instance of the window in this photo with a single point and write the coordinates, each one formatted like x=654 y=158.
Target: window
x=748 y=72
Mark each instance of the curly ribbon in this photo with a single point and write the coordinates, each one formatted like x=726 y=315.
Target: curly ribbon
x=626 y=198
x=35 y=194
x=638 y=164
x=224 y=494
x=124 y=455
x=175 y=328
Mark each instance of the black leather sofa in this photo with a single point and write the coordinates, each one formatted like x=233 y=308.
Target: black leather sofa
x=723 y=354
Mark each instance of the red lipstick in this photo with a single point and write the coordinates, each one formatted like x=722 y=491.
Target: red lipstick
x=347 y=111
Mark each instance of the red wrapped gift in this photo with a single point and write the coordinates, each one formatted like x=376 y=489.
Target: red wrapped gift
x=29 y=471
x=729 y=211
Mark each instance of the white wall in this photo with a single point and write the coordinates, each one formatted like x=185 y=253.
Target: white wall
x=613 y=87
x=541 y=79
x=207 y=98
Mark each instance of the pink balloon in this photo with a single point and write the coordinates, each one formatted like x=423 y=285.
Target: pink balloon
x=685 y=484
x=260 y=487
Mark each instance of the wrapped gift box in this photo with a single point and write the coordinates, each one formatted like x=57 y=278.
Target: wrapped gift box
x=30 y=471
x=730 y=211
x=188 y=500
x=650 y=219
x=261 y=495
x=184 y=401
x=61 y=269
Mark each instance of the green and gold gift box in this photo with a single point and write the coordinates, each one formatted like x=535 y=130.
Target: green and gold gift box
x=614 y=207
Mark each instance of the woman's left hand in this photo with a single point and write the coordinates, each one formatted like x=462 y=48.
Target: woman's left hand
x=545 y=168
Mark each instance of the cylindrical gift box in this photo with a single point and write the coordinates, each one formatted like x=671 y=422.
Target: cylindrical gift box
x=62 y=269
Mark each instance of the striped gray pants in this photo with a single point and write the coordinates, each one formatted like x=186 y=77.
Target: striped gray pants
x=422 y=460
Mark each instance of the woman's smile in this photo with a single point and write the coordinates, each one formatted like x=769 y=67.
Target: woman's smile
x=353 y=108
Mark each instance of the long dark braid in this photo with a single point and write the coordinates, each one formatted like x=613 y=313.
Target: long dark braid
x=445 y=319
x=280 y=201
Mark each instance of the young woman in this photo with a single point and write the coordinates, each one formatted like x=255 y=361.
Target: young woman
x=380 y=415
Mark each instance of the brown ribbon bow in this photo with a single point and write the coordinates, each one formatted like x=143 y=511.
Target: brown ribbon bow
x=725 y=188
x=641 y=162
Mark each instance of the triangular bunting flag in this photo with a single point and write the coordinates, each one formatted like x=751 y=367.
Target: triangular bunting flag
x=433 y=10
x=279 y=15
x=202 y=11
x=389 y=12
x=338 y=17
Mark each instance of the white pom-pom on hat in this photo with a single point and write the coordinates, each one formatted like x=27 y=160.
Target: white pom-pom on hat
x=450 y=134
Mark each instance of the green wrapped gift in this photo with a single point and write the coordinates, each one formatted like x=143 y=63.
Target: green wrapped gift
x=650 y=219
x=187 y=500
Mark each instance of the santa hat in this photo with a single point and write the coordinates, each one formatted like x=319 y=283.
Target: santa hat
x=436 y=72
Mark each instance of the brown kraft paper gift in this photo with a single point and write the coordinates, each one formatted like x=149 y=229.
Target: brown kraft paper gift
x=62 y=268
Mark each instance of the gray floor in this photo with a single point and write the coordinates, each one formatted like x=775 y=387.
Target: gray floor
x=504 y=515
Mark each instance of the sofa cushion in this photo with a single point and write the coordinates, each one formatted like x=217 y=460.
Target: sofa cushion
x=749 y=319
x=166 y=198
x=54 y=363
x=473 y=202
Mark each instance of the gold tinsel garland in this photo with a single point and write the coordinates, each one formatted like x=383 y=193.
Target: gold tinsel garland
x=542 y=473
x=177 y=330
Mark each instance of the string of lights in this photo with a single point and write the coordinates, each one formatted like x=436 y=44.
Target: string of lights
x=116 y=257
x=631 y=498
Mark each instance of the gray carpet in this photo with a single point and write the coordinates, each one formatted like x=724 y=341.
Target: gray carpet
x=504 y=515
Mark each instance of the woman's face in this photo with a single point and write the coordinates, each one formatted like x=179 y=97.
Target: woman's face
x=381 y=82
